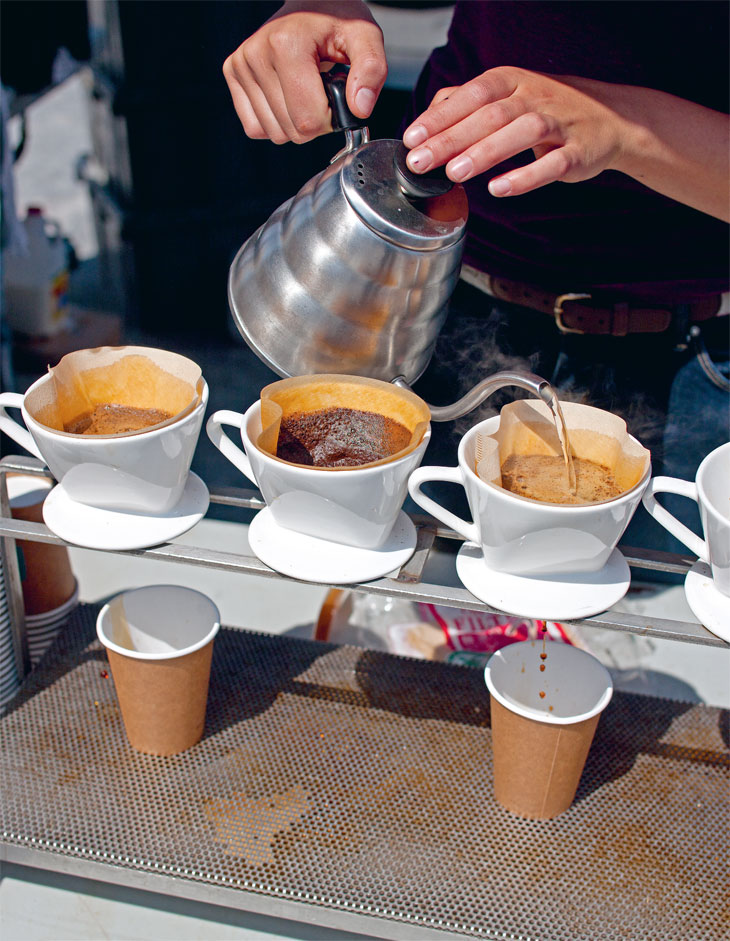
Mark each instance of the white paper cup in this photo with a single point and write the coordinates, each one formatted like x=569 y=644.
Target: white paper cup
x=159 y=640
x=543 y=723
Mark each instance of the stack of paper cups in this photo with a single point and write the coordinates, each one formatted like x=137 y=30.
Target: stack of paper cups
x=50 y=591
x=159 y=640
x=42 y=628
x=543 y=722
x=9 y=679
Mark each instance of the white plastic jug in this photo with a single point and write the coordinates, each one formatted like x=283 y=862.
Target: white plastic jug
x=35 y=281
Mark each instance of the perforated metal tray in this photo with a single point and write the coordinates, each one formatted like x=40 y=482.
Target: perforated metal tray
x=352 y=789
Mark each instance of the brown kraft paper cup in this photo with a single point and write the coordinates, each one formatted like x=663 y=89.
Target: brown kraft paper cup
x=48 y=580
x=537 y=767
x=543 y=723
x=159 y=641
x=163 y=702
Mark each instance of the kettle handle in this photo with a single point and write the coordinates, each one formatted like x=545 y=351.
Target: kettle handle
x=335 y=82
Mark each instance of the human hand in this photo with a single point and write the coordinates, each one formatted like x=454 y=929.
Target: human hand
x=274 y=76
x=569 y=123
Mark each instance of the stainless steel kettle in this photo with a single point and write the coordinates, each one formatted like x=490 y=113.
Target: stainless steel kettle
x=352 y=274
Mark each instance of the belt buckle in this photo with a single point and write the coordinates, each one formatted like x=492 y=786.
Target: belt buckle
x=558 y=310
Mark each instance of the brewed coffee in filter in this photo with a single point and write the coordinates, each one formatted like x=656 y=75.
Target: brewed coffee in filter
x=525 y=454
x=111 y=391
x=334 y=422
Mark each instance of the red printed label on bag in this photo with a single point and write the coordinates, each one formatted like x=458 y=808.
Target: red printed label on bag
x=480 y=632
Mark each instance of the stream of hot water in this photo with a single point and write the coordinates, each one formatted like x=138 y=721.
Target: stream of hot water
x=562 y=430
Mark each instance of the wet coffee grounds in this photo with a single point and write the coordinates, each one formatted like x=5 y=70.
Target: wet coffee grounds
x=339 y=437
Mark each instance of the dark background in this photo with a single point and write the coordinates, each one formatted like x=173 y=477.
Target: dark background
x=186 y=187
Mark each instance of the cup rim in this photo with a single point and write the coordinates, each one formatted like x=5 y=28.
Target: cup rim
x=573 y=508
x=548 y=718
x=109 y=644
x=702 y=471
x=90 y=440
x=318 y=471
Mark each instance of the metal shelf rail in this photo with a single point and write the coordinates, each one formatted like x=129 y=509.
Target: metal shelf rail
x=407 y=584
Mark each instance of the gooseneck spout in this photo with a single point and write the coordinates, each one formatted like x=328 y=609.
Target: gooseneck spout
x=539 y=387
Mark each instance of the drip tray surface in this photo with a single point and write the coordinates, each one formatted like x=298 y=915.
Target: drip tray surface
x=360 y=783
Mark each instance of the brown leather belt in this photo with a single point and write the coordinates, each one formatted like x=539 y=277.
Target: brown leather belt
x=577 y=312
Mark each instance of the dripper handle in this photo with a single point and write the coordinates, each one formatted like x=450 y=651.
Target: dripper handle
x=335 y=82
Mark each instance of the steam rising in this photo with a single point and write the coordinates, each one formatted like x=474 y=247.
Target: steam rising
x=471 y=348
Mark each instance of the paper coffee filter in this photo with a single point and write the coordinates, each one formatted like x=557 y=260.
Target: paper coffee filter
x=528 y=427
x=135 y=376
x=303 y=394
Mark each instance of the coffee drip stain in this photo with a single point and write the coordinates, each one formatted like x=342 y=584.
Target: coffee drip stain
x=543 y=653
x=247 y=825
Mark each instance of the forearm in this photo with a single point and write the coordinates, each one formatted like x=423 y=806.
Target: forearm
x=675 y=147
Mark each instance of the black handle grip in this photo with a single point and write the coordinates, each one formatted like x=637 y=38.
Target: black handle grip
x=334 y=85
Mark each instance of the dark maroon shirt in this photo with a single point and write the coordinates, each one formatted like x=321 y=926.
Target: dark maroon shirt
x=610 y=231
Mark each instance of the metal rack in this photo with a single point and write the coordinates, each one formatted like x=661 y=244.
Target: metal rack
x=351 y=789
x=408 y=584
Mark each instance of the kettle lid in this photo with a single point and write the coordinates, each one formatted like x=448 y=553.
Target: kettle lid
x=424 y=218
